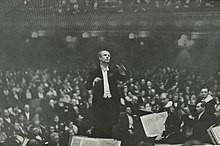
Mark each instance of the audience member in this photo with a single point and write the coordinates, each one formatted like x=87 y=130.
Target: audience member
x=202 y=123
x=209 y=102
x=126 y=128
x=66 y=105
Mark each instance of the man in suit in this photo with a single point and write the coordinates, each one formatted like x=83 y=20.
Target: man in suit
x=165 y=102
x=106 y=98
x=58 y=125
x=127 y=128
x=27 y=113
x=8 y=121
x=35 y=134
x=201 y=123
x=209 y=102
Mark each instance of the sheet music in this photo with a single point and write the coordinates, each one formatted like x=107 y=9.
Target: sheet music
x=216 y=132
x=153 y=124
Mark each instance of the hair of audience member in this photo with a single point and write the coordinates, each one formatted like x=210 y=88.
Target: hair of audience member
x=205 y=87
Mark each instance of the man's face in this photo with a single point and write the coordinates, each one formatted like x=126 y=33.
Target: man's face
x=149 y=84
x=21 y=118
x=175 y=97
x=143 y=93
x=26 y=108
x=172 y=109
x=204 y=92
x=56 y=138
x=52 y=129
x=164 y=100
x=37 y=122
x=1 y=122
x=17 y=126
x=199 y=108
x=143 y=81
x=131 y=80
x=36 y=131
x=6 y=113
x=105 y=57
x=128 y=110
x=56 y=119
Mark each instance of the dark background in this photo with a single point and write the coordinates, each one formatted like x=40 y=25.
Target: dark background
x=155 y=32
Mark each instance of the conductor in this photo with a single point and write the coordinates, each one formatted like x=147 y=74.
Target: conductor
x=106 y=98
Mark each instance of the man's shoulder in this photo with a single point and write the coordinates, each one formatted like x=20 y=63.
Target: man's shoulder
x=94 y=70
x=206 y=117
x=209 y=99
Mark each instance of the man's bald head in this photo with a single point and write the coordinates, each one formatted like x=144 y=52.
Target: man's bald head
x=104 y=56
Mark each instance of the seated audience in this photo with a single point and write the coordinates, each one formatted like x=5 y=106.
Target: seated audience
x=69 y=112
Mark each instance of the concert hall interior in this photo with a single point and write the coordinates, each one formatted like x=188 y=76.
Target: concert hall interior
x=48 y=47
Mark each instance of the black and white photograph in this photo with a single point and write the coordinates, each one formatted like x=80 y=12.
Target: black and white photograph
x=109 y=72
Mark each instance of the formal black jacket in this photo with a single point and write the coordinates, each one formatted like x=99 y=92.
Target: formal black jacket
x=200 y=127
x=98 y=91
x=8 y=127
x=209 y=106
x=124 y=135
x=124 y=124
x=11 y=141
x=31 y=115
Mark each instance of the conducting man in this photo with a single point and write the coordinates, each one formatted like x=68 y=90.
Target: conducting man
x=106 y=99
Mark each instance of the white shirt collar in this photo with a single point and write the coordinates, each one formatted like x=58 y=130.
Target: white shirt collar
x=169 y=104
x=104 y=68
x=200 y=115
x=208 y=98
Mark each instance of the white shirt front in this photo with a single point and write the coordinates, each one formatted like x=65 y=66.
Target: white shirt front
x=40 y=95
x=107 y=93
x=28 y=115
x=207 y=99
x=130 y=122
x=8 y=120
x=200 y=115
x=39 y=138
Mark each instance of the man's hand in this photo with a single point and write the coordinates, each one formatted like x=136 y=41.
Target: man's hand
x=89 y=132
x=97 y=79
x=121 y=69
x=130 y=132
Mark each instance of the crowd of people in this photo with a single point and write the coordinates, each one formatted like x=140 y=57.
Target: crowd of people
x=79 y=6
x=47 y=106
